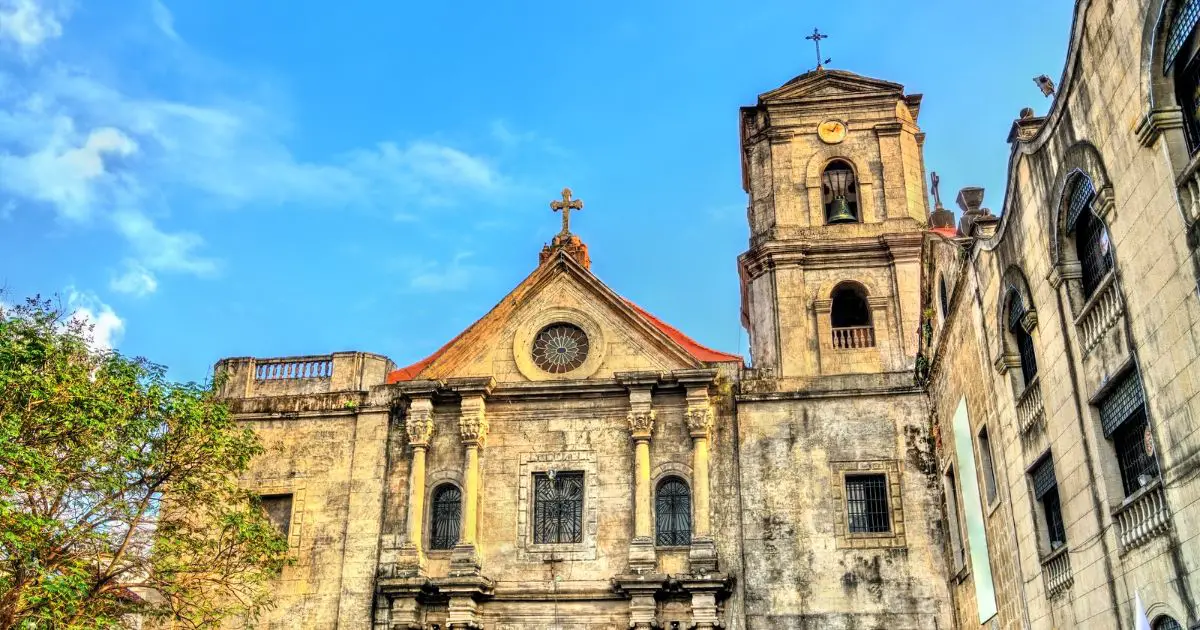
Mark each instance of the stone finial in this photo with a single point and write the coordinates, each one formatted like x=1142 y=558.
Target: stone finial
x=641 y=424
x=472 y=423
x=970 y=201
x=571 y=245
x=1026 y=112
x=419 y=423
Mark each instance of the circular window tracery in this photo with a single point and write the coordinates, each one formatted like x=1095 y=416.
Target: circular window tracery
x=560 y=347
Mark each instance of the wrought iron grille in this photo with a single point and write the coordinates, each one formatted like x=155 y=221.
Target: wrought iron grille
x=1043 y=477
x=1166 y=622
x=673 y=513
x=558 y=508
x=1181 y=29
x=1056 y=532
x=1135 y=453
x=447 y=517
x=1016 y=312
x=867 y=504
x=1123 y=402
x=1094 y=249
x=1081 y=199
x=560 y=348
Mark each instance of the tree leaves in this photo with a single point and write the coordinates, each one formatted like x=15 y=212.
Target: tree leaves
x=118 y=488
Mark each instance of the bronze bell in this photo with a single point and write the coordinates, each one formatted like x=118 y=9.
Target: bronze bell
x=841 y=212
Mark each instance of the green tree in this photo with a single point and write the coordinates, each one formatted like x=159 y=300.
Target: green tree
x=118 y=488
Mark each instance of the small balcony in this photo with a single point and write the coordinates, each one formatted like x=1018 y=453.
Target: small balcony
x=251 y=377
x=1100 y=313
x=1143 y=516
x=1056 y=572
x=853 y=337
x=1031 y=412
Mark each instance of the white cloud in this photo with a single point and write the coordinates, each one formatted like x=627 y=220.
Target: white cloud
x=28 y=24
x=136 y=280
x=163 y=19
x=160 y=250
x=107 y=327
x=430 y=276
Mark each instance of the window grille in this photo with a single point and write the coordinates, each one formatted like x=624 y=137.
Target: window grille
x=1122 y=403
x=279 y=511
x=1081 y=199
x=558 y=508
x=1181 y=29
x=1043 y=477
x=1135 y=453
x=673 y=513
x=867 y=504
x=1094 y=250
x=1056 y=532
x=1016 y=313
x=1165 y=622
x=447 y=517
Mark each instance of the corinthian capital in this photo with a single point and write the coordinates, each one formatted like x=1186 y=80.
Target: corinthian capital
x=699 y=421
x=419 y=422
x=473 y=424
x=641 y=423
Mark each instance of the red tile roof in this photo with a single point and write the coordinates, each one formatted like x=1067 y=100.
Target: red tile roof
x=700 y=352
x=948 y=232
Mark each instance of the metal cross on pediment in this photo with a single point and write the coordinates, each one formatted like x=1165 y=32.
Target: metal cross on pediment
x=566 y=206
x=816 y=38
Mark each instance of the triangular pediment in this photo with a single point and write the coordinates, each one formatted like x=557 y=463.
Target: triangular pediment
x=830 y=84
x=621 y=337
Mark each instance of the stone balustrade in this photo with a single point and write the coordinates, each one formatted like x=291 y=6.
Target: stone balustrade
x=249 y=377
x=853 y=337
x=1099 y=313
x=1056 y=572
x=1031 y=411
x=293 y=367
x=1143 y=516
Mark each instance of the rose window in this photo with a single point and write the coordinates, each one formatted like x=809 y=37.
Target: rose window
x=560 y=348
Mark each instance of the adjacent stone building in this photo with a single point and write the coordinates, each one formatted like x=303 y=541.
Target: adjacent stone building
x=988 y=423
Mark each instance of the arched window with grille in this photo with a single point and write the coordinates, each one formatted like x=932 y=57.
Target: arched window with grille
x=1021 y=337
x=1166 y=622
x=1182 y=55
x=1092 y=244
x=839 y=193
x=850 y=317
x=672 y=513
x=447 y=516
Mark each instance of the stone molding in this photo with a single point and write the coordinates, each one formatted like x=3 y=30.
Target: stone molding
x=641 y=423
x=473 y=423
x=565 y=461
x=699 y=421
x=418 y=424
x=1155 y=122
x=891 y=539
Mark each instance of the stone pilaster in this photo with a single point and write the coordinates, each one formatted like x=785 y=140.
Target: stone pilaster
x=702 y=557
x=418 y=426
x=473 y=427
x=641 y=590
x=641 y=426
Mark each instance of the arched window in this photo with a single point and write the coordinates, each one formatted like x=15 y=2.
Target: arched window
x=447 y=514
x=1181 y=54
x=850 y=318
x=1024 y=342
x=1092 y=244
x=839 y=193
x=1165 y=622
x=673 y=513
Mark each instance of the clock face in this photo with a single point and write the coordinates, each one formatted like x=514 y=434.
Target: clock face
x=832 y=131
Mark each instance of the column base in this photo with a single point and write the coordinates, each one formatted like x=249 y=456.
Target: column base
x=401 y=600
x=641 y=555
x=464 y=593
x=702 y=557
x=641 y=589
x=405 y=561
x=464 y=561
x=706 y=590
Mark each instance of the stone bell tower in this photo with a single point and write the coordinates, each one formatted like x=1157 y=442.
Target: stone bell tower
x=832 y=163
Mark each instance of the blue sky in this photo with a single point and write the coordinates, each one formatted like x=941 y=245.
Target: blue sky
x=210 y=178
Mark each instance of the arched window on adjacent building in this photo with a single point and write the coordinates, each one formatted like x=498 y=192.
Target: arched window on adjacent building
x=447 y=514
x=672 y=513
x=839 y=193
x=1092 y=244
x=850 y=317
x=1181 y=56
x=1021 y=337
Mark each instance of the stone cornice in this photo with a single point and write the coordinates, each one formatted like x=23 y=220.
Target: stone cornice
x=1157 y=121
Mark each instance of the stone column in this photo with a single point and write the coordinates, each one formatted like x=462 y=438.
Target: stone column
x=472 y=426
x=641 y=425
x=418 y=425
x=702 y=558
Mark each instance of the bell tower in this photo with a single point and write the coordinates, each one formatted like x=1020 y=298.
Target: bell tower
x=833 y=166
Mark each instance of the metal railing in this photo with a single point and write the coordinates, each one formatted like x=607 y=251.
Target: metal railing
x=293 y=368
x=1100 y=313
x=1143 y=517
x=854 y=337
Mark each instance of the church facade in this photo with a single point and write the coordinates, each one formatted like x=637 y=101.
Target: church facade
x=984 y=423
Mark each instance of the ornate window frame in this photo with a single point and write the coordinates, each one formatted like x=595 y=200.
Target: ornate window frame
x=528 y=330
x=298 y=488
x=565 y=461
x=890 y=468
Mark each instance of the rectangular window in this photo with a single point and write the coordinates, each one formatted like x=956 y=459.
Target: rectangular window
x=279 y=511
x=867 y=504
x=557 y=508
x=1045 y=491
x=958 y=555
x=989 y=471
x=1134 y=453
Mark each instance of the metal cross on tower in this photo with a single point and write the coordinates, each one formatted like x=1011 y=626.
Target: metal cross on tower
x=566 y=206
x=816 y=38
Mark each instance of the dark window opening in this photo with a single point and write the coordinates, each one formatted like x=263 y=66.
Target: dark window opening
x=945 y=298
x=1024 y=341
x=673 y=513
x=839 y=193
x=558 y=508
x=1094 y=248
x=867 y=504
x=447 y=517
x=279 y=511
x=1165 y=622
x=1181 y=55
x=1045 y=491
x=1135 y=453
x=850 y=317
x=989 y=470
